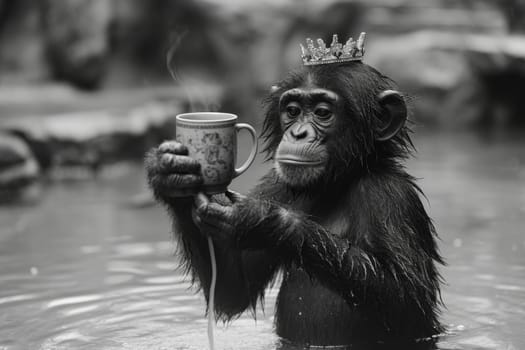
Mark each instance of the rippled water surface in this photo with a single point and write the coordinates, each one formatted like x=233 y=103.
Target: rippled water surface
x=87 y=269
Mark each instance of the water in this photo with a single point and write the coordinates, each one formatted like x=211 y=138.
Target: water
x=85 y=269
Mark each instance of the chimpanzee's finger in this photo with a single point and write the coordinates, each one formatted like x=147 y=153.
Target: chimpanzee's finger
x=184 y=180
x=214 y=212
x=172 y=163
x=196 y=219
x=217 y=230
x=201 y=224
x=173 y=147
x=166 y=183
x=215 y=222
x=233 y=196
x=201 y=200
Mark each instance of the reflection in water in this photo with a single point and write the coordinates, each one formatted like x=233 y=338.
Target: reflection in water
x=84 y=270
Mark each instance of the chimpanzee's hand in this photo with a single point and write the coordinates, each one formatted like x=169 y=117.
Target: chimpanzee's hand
x=171 y=173
x=251 y=222
x=218 y=220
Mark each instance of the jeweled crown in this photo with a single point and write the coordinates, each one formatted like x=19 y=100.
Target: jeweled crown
x=337 y=52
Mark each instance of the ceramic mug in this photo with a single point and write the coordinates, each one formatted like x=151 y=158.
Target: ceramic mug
x=211 y=139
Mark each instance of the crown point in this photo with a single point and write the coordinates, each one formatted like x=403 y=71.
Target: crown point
x=303 y=50
x=361 y=42
x=337 y=52
x=309 y=42
x=334 y=40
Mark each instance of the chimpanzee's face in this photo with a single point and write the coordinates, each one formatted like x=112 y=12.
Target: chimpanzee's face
x=330 y=122
x=307 y=117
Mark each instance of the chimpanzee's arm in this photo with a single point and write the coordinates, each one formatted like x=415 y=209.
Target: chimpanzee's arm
x=395 y=254
x=169 y=169
x=242 y=276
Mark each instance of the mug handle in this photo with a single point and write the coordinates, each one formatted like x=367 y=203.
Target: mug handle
x=251 y=157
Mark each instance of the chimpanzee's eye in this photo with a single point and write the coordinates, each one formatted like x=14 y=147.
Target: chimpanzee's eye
x=323 y=112
x=293 y=110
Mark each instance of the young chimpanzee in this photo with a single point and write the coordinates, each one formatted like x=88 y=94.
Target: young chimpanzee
x=337 y=214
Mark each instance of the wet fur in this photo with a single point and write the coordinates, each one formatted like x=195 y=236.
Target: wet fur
x=356 y=247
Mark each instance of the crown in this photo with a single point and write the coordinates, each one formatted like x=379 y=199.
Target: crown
x=336 y=53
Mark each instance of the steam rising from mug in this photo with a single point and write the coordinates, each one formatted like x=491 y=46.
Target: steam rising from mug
x=192 y=88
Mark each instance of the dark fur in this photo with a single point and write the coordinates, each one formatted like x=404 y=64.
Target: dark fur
x=357 y=248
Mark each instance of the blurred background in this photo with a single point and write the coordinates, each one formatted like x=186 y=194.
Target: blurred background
x=87 y=86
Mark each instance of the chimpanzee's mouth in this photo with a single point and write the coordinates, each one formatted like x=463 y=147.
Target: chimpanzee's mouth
x=295 y=160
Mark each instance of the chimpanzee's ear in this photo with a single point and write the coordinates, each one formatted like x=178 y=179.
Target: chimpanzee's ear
x=394 y=116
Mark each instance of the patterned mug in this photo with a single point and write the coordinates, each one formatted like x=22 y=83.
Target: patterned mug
x=211 y=139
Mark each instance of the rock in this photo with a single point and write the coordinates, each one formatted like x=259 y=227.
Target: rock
x=457 y=80
x=8 y=157
x=89 y=130
x=19 y=169
x=423 y=73
x=86 y=140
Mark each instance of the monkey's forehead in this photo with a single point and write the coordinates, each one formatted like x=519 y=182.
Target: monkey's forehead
x=310 y=93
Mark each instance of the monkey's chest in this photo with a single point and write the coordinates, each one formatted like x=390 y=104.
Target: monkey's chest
x=308 y=310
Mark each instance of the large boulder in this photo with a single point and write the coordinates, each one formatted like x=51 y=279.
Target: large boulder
x=19 y=169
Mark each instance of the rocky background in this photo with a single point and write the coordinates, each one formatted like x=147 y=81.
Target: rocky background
x=88 y=83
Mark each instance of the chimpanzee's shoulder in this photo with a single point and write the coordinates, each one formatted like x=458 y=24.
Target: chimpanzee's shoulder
x=396 y=186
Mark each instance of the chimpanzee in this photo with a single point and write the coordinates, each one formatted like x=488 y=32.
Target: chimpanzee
x=337 y=214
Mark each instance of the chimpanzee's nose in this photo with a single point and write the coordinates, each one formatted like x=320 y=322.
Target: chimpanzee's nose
x=299 y=132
